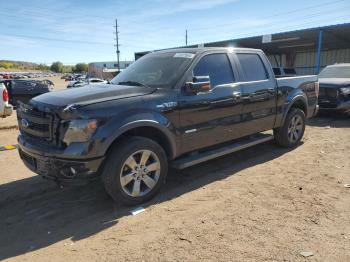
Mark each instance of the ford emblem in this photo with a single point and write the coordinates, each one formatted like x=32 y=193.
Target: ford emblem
x=24 y=123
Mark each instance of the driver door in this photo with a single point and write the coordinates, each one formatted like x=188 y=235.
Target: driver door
x=208 y=118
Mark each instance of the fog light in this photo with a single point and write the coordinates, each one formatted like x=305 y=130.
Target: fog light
x=69 y=172
x=74 y=172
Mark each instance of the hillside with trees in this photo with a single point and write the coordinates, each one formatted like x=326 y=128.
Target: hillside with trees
x=57 y=67
x=21 y=65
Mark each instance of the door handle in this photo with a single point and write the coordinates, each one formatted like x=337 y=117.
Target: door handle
x=271 y=90
x=236 y=95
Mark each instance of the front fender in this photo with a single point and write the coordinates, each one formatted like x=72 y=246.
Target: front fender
x=115 y=128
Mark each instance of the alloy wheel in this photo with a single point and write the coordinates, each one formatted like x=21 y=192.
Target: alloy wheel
x=295 y=128
x=140 y=173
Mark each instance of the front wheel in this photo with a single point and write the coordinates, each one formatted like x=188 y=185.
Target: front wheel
x=135 y=170
x=292 y=131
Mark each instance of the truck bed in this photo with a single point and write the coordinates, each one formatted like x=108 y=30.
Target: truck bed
x=296 y=81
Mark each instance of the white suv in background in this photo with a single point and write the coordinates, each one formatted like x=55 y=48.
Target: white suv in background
x=5 y=108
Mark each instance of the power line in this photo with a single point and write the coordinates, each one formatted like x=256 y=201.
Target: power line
x=263 y=17
x=55 y=39
x=268 y=28
x=51 y=13
x=306 y=17
x=81 y=15
x=203 y=28
x=277 y=30
x=273 y=15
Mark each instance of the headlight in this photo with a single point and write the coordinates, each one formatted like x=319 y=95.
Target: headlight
x=345 y=90
x=79 y=130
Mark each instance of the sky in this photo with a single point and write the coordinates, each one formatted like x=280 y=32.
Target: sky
x=45 y=31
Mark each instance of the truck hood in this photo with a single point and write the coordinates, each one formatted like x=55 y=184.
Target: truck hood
x=334 y=82
x=90 y=94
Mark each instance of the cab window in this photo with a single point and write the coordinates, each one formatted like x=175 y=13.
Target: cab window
x=217 y=67
x=252 y=66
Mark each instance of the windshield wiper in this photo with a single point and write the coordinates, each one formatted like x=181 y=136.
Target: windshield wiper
x=132 y=83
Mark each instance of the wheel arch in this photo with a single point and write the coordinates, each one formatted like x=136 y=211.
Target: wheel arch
x=150 y=129
x=299 y=102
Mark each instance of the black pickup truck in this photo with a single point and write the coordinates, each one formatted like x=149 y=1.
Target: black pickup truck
x=179 y=107
x=24 y=90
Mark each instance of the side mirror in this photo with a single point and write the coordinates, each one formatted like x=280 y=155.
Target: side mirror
x=198 y=84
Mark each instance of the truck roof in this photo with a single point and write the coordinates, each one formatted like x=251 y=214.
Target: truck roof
x=199 y=50
x=339 y=64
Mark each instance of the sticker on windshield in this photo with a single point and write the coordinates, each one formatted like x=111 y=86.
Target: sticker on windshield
x=184 y=55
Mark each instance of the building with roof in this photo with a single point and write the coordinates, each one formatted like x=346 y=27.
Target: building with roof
x=306 y=50
x=106 y=70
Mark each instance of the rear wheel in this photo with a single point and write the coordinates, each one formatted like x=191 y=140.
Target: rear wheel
x=135 y=170
x=292 y=131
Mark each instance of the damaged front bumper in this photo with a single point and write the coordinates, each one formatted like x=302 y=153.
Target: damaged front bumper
x=339 y=106
x=61 y=170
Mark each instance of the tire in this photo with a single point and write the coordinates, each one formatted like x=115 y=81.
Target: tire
x=125 y=175
x=292 y=131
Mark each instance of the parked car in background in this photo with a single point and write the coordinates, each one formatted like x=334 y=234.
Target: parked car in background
x=24 y=90
x=335 y=88
x=179 y=106
x=76 y=83
x=91 y=81
x=5 y=108
x=80 y=77
x=96 y=81
x=65 y=76
x=69 y=78
x=284 y=72
x=7 y=76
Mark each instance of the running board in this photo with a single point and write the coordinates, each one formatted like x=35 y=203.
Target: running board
x=242 y=143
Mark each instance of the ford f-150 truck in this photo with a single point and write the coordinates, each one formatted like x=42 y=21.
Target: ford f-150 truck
x=179 y=107
x=24 y=90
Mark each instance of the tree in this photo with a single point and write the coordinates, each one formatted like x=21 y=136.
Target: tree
x=67 y=69
x=7 y=65
x=57 y=67
x=42 y=67
x=81 y=67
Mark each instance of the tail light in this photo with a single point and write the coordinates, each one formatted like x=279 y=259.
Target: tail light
x=5 y=95
x=311 y=87
x=317 y=88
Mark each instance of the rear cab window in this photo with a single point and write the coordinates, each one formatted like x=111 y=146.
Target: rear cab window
x=252 y=66
x=290 y=71
x=277 y=71
x=217 y=66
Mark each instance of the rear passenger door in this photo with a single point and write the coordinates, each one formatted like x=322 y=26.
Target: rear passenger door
x=258 y=92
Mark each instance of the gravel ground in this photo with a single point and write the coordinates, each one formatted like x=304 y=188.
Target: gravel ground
x=261 y=204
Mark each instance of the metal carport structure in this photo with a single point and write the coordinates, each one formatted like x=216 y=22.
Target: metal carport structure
x=306 y=50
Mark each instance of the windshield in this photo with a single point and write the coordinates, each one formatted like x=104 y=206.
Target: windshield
x=159 y=70
x=335 y=72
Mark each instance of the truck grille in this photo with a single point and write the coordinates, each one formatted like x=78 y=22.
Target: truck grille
x=328 y=93
x=33 y=122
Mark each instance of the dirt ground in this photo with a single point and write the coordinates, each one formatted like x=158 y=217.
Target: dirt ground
x=261 y=204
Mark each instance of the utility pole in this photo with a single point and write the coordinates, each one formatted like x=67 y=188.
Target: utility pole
x=117 y=42
x=186 y=37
